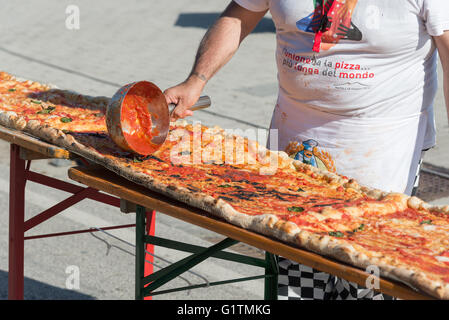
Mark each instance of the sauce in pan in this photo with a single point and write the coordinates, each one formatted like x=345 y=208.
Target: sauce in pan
x=136 y=120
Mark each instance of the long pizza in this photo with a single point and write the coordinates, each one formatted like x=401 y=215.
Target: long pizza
x=250 y=186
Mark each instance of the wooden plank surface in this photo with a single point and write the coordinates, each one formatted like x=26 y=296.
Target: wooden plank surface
x=104 y=180
x=34 y=145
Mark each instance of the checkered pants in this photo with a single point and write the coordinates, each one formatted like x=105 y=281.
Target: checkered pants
x=298 y=282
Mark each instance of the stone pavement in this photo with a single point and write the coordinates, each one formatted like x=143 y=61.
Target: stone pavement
x=123 y=41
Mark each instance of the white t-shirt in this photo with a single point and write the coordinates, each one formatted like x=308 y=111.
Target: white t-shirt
x=363 y=105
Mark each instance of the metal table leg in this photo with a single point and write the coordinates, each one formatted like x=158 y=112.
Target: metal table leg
x=149 y=248
x=271 y=281
x=140 y=252
x=146 y=284
x=19 y=173
x=16 y=224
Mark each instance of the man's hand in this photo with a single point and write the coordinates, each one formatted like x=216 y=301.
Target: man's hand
x=442 y=43
x=216 y=49
x=185 y=95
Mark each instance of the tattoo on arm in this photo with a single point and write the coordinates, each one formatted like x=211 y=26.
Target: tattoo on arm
x=200 y=76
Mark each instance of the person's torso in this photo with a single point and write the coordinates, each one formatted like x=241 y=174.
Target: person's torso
x=375 y=58
x=363 y=104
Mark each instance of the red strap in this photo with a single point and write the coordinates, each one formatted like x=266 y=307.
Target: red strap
x=317 y=41
x=322 y=29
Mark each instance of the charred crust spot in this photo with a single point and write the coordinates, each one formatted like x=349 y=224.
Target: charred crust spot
x=226 y=198
x=155 y=158
x=323 y=205
x=193 y=188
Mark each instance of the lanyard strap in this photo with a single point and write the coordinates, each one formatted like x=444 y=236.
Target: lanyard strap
x=325 y=24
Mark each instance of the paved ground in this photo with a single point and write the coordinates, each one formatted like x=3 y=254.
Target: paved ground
x=119 y=42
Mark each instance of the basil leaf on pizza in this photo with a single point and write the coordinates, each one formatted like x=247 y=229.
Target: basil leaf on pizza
x=66 y=119
x=295 y=209
x=337 y=234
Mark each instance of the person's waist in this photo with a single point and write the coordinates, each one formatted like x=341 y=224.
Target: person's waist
x=369 y=113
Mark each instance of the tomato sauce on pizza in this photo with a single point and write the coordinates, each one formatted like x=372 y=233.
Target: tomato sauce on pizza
x=324 y=205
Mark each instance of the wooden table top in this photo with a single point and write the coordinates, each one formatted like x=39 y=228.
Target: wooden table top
x=34 y=148
x=104 y=180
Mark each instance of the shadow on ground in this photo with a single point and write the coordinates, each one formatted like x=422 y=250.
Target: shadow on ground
x=36 y=290
x=205 y=20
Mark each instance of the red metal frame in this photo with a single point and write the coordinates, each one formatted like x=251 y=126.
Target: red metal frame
x=149 y=248
x=16 y=223
x=19 y=174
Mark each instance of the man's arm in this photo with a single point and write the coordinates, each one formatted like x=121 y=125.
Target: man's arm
x=442 y=43
x=217 y=47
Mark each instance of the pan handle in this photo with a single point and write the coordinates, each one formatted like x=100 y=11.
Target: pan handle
x=202 y=103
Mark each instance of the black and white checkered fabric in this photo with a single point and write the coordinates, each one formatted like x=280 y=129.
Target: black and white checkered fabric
x=299 y=282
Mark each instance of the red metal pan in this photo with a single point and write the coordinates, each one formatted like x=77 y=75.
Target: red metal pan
x=138 y=117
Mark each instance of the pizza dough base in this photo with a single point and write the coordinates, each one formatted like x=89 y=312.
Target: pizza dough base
x=267 y=224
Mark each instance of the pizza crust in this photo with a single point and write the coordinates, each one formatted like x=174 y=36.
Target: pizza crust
x=266 y=224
